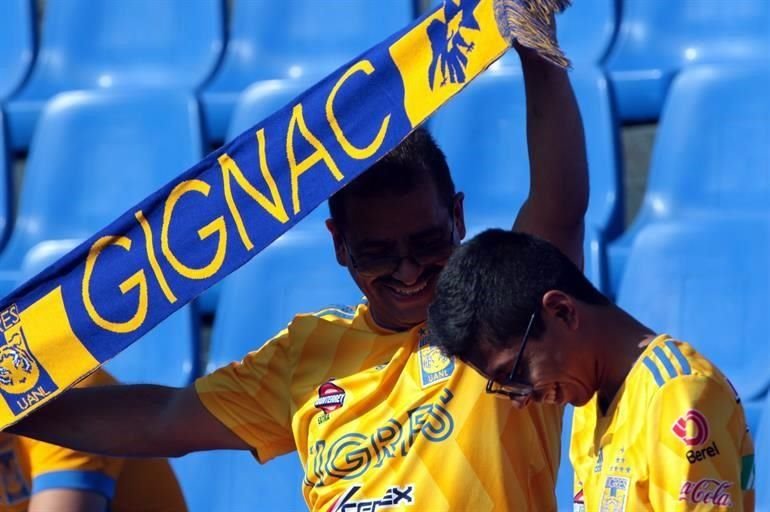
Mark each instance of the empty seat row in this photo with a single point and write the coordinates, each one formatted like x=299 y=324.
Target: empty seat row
x=640 y=44
x=178 y=44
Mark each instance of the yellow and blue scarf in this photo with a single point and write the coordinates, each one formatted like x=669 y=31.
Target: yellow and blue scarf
x=104 y=295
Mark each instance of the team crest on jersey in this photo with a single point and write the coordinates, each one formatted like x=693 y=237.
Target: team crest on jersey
x=330 y=397
x=434 y=365
x=13 y=486
x=23 y=380
x=615 y=494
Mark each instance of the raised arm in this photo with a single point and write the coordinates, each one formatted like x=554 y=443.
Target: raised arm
x=141 y=420
x=558 y=194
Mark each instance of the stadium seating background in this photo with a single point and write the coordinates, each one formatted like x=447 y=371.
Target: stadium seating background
x=676 y=89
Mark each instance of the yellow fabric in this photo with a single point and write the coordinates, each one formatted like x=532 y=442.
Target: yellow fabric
x=142 y=484
x=673 y=439
x=409 y=419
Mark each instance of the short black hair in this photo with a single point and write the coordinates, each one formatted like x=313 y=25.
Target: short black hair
x=491 y=286
x=414 y=161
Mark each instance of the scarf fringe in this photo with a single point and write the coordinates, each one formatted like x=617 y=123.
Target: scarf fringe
x=529 y=22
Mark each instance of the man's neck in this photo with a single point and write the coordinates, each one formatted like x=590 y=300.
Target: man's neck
x=621 y=341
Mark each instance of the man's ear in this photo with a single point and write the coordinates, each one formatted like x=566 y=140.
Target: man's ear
x=561 y=307
x=339 y=246
x=458 y=212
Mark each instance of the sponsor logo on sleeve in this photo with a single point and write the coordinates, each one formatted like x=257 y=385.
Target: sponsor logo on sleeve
x=394 y=497
x=692 y=428
x=707 y=491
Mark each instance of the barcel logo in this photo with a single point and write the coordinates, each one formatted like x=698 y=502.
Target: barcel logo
x=330 y=397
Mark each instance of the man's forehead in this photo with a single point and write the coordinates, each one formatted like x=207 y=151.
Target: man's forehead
x=394 y=216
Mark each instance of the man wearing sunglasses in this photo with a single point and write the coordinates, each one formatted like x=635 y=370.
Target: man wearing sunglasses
x=379 y=418
x=656 y=425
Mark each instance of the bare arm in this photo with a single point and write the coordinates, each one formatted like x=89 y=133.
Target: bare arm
x=67 y=500
x=141 y=420
x=558 y=195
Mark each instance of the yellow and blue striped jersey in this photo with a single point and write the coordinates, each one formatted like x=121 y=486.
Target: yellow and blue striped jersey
x=383 y=420
x=28 y=466
x=674 y=438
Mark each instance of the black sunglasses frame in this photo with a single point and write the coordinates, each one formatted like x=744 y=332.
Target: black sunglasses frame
x=526 y=389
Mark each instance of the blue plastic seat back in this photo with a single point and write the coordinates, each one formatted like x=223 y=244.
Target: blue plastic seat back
x=294 y=39
x=5 y=185
x=17 y=45
x=101 y=43
x=95 y=155
x=483 y=134
x=658 y=38
x=762 y=460
x=565 y=478
x=705 y=281
x=711 y=146
x=710 y=151
x=659 y=34
x=236 y=482
x=305 y=38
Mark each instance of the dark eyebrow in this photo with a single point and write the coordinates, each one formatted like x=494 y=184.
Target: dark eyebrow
x=426 y=233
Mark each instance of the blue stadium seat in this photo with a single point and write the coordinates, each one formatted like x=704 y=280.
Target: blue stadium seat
x=710 y=152
x=5 y=185
x=762 y=460
x=483 y=133
x=705 y=281
x=658 y=38
x=17 y=44
x=255 y=104
x=167 y=355
x=96 y=154
x=90 y=44
x=298 y=273
x=294 y=39
x=565 y=479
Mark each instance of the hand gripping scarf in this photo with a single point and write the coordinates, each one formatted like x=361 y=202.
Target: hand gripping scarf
x=94 y=302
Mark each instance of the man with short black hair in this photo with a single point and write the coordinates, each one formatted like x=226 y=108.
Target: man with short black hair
x=657 y=426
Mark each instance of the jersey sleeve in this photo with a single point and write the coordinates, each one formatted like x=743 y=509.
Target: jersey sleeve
x=697 y=447
x=54 y=467
x=253 y=397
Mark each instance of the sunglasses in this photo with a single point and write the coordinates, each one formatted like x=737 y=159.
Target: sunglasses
x=512 y=388
x=426 y=253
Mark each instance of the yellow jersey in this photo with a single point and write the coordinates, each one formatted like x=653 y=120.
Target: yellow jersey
x=674 y=438
x=129 y=485
x=382 y=420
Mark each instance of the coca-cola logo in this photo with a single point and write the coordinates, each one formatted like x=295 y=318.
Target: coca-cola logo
x=330 y=397
x=707 y=491
x=692 y=428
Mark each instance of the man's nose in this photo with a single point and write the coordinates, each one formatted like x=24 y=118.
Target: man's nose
x=408 y=271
